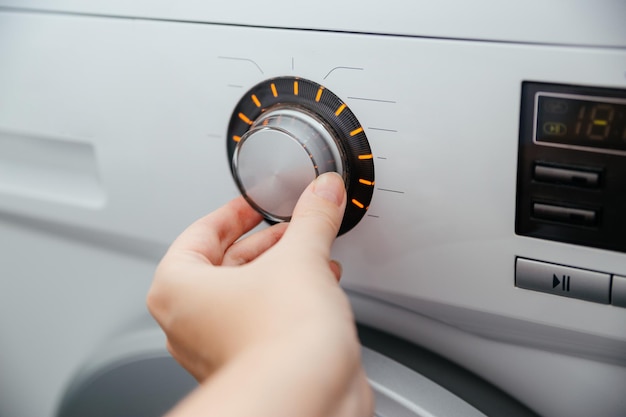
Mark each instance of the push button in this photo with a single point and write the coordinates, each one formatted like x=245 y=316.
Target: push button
x=618 y=294
x=566 y=176
x=574 y=216
x=563 y=280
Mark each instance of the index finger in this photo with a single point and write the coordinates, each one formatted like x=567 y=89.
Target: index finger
x=214 y=233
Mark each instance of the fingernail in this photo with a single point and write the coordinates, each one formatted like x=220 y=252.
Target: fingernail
x=330 y=187
x=337 y=269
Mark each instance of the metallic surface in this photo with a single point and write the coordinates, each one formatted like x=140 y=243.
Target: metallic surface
x=284 y=150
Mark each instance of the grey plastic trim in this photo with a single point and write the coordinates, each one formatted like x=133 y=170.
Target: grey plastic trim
x=402 y=392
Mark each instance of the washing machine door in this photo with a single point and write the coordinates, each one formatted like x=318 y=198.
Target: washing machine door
x=135 y=376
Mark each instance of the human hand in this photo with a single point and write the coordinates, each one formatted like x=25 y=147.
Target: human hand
x=262 y=318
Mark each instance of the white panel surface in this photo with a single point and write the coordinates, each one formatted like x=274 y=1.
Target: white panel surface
x=568 y=22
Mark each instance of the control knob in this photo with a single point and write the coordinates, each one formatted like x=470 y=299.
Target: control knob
x=287 y=131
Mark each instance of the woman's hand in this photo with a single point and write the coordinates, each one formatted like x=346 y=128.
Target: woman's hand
x=261 y=321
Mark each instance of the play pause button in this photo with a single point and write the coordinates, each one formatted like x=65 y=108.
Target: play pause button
x=562 y=280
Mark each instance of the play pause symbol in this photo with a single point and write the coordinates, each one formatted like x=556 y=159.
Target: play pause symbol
x=557 y=279
x=563 y=282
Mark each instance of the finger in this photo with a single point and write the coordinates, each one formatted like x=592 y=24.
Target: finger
x=213 y=234
x=317 y=216
x=252 y=246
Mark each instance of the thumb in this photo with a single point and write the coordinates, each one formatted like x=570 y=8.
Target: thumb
x=317 y=216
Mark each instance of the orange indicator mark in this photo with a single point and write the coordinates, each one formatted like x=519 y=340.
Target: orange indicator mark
x=368 y=156
x=245 y=118
x=236 y=138
x=357 y=203
x=319 y=94
x=356 y=131
x=256 y=100
x=295 y=88
x=366 y=182
x=340 y=109
x=274 y=92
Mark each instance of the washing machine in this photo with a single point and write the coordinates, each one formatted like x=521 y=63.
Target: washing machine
x=483 y=145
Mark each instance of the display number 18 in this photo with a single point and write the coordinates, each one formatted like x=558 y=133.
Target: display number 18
x=595 y=123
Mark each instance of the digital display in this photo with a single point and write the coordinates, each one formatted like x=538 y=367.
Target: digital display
x=581 y=121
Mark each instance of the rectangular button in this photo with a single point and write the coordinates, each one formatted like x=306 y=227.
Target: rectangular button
x=562 y=280
x=566 y=176
x=618 y=292
x=570 y=215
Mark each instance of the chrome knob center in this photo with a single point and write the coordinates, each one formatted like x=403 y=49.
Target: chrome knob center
x=283 y=151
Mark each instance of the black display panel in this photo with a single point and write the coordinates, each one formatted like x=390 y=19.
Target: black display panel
x=571 y=178
x=583 y=121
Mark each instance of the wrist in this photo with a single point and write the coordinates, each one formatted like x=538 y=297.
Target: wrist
x=297 y=375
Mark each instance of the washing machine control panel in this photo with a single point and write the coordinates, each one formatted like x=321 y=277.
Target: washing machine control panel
x=572 y=165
